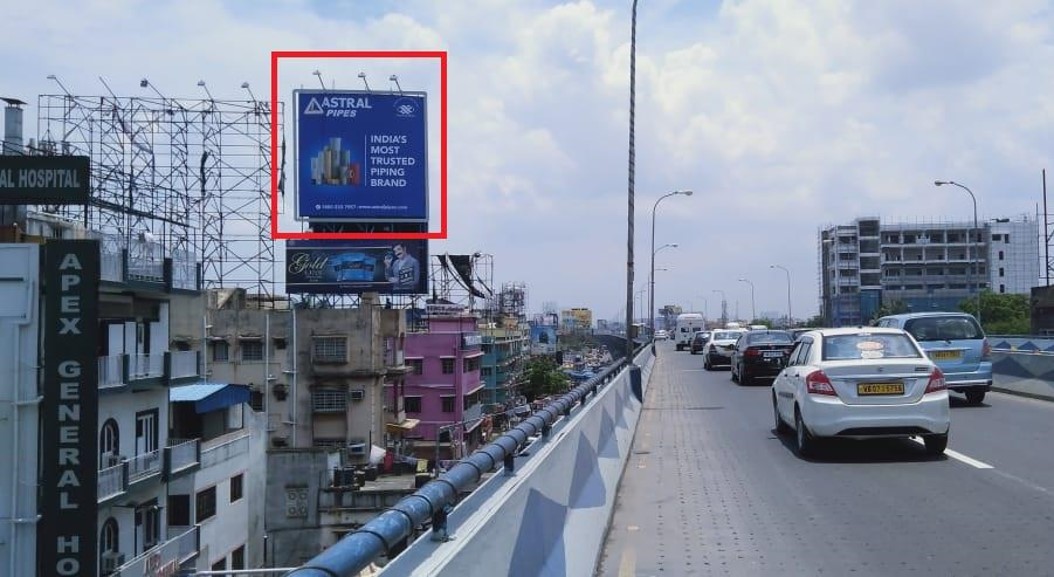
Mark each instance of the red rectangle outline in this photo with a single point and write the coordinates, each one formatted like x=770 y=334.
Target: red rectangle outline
x=442 y=232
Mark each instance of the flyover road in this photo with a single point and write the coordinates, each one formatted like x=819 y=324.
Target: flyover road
x=710 y=489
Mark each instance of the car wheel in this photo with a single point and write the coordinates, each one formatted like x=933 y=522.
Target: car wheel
x=706 y=364
x=781 y=427
x=744 y=380
x=732 y=370
x=974 y=397
x=936 y=444
x=806 y=443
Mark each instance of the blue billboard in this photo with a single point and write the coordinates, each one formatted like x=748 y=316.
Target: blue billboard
x=543 y=339
x=361 y=156
x=356 y=266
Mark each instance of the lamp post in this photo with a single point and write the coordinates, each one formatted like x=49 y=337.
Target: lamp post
x=651 y=281
x=753 y=309
x=724 y=307
x=976 y=258
x=651 y=290
x=789 y=314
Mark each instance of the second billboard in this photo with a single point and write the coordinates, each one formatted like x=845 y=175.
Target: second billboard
x=356 y=266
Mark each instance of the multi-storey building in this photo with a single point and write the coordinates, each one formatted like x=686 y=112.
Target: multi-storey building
x=443 y=389
x=576 y=320
x=505 y=348
x=927 y=266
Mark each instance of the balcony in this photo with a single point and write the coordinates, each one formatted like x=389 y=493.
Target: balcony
x=183 y=365
x=181 y=456
x=165 y=558
x=141 y=467
x=224 y=448
x=111 y=371
x=472 y=413
x=113 y=481
x=146 y=366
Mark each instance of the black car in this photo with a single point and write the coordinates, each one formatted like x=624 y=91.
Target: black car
x=699 y=341
x=760 y=354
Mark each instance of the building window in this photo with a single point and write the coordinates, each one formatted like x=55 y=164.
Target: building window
x=221 y=351
x=252 y=350
x=330 y=350
x=412 y=404
x=324 y=400
x=487 y=371
x=1000 y=255
x=1002 y=289
x=109 y=444
x=149 y=518
x=328 y=443
x=205 y=504
x=471 y=364
x=997 y=237
x=220 y=565
x=418 y=366
x=236 y=487
x=146 y=432
x=179 y=510
x=448 y=404
x=109 y=539
x=1001 y=272
x=238 y=558
x=1006 y=239
x=448 y=366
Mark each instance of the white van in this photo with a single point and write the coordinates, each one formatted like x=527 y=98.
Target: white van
x=687 y=325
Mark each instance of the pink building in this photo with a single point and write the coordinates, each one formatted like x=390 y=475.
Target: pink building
x=443 y=387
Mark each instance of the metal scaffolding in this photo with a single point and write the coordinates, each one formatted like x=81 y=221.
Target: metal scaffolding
x=192 y=176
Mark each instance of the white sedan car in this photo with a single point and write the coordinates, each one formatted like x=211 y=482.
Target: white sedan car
x=861 y=383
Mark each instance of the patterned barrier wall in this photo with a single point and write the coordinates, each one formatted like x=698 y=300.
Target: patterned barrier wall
x=550 y=517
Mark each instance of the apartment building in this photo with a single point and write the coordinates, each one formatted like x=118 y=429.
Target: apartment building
x=444 y=390
x=926 y=265
x=506 y=346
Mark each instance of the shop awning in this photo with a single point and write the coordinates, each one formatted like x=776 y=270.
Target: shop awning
x=405 y=426
x=209 y=397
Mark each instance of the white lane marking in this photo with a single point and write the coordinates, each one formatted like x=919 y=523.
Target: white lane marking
x=960 y=457
x=628 y=564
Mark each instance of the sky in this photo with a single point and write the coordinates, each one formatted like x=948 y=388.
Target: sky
x=780 y=117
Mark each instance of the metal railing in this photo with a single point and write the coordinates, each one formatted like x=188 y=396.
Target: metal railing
x=111 y=371
x=144 y=366
x=186 y=540
x=111 y=266
x=144 y=465
x=184 y=364
x=354 y=552
x=111 y=482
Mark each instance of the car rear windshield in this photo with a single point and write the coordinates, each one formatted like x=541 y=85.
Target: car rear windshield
x=949 y=328
x=869 y=346
x=726 y=335
x=778 y=337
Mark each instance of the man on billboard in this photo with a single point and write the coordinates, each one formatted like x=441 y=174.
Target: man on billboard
x=405 y=269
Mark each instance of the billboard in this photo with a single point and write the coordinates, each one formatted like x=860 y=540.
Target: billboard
x=543 y=339
x=44 y=180
x=69 y=410
x=356 y=266
x=361 y=156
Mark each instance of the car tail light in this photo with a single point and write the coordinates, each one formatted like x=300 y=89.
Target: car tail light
x=986 y=351
x=752 y=353
x=937 y=382
x=817 y=383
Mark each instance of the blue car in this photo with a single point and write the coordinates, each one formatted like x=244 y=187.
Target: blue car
x=956 y=343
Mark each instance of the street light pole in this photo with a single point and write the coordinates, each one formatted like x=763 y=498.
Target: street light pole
x=724 y=307
x=753 y=309
x=976 y=255
x=789 y=314
x=651 y=289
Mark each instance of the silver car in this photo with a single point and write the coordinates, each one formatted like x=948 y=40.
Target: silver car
x=718 y=350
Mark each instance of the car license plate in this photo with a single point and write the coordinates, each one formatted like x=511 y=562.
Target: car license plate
x=773 y=354
x=953 y=355
x=864 y=389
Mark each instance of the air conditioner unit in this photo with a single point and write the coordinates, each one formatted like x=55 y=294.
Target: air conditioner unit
x=111 y=560
x=357 y=394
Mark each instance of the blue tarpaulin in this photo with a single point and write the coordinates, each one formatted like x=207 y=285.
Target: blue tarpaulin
x=210 y=396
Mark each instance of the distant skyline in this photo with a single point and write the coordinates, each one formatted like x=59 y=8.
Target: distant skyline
x=783 y=118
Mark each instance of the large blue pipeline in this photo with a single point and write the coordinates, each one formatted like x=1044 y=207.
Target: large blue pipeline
x=355 y=551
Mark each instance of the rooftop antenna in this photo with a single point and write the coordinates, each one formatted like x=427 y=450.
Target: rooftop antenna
x=395 y=79
x=57 y=81
x=362 y=75
x=319 y=74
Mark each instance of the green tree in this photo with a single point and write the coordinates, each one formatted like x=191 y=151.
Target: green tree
x=1002 y=314
x=816 y=321
x=542 y=377
x=895 y=307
